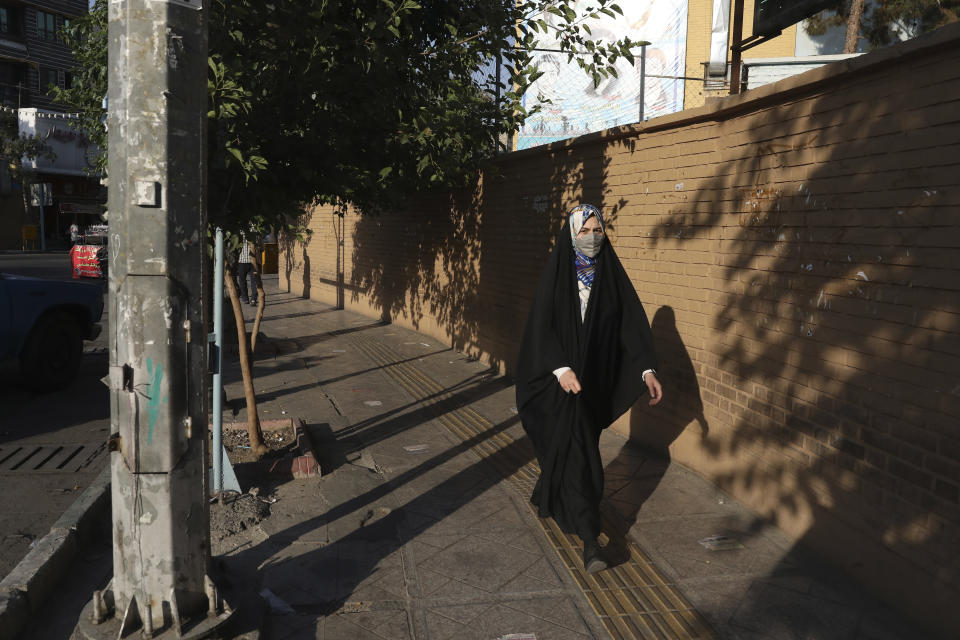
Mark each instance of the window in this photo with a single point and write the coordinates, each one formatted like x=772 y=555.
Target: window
x=63 y=29
x=11 y=21
x=46 y=26
x=47 y=77
x=13 y=81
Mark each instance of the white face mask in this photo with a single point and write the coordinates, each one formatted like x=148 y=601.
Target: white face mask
x=589 y=244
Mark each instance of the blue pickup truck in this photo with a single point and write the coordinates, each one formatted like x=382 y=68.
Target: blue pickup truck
x=43 y=323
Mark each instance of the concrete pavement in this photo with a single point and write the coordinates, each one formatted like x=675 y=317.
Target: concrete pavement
x=420 y=527
x=423 y=529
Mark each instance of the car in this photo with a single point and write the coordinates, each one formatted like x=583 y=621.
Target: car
x=43 y=324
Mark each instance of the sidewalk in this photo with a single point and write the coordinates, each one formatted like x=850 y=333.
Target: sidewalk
x=421 y=527
x=424 y=530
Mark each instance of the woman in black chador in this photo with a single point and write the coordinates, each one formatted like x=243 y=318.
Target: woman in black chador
x=586 y=357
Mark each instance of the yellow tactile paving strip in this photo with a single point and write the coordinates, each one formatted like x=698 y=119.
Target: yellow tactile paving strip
x=633 y=599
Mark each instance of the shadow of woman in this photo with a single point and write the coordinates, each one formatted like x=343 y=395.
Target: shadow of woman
x=632 y=476
x=306 y=274
x=655 y=428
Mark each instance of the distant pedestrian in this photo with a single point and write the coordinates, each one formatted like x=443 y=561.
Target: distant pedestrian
x=586 y=348
x=245 y=271
x=74 y=232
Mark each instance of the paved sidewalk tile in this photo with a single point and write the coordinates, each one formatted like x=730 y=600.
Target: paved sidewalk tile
x=434 y=543
x=422 y=529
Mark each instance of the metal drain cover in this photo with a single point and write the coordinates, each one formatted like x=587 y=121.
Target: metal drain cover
x=48 y=458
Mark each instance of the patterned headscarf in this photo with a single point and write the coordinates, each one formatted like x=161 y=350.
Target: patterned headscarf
x=586 y=266
x=578 y=216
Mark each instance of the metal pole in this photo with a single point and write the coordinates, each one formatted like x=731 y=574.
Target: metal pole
x=737 y=54
x=157 y=66
x=43 y=232
x=643 y=79
x=496 y=134
x=217 y=365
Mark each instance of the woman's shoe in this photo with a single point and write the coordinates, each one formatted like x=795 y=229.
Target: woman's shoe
x=593 y=560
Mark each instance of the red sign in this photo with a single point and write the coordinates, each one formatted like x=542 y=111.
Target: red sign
x=87 y=261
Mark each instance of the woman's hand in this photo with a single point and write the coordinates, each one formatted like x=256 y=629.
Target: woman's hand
x=653 y=386
x=569 y=383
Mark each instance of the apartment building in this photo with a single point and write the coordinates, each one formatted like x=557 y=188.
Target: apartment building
x=33 y=55
x=37 y=208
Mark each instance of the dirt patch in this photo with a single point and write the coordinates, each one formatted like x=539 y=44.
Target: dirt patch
x=237 y=444
x=233 y=514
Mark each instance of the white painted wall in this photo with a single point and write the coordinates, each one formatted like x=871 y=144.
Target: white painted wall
x=761 y=71
x=57 y=130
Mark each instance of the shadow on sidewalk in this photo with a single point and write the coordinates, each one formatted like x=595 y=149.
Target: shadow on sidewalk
x=629 y=480
x=641 y=463
x=329 y=575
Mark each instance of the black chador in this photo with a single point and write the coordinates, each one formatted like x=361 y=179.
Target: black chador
x=586 y=316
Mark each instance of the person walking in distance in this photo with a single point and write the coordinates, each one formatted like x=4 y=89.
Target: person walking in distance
x=245 y=272
x=586 y=348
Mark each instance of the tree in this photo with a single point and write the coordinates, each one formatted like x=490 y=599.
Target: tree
x=15 y=146
x=879 y=21
x=366 y=102
x=87 y=39
x=853 y=26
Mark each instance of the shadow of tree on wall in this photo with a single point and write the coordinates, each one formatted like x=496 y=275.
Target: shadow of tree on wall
x=296 y=260
x=835 y=339
x=422 y=265
x=428 y=266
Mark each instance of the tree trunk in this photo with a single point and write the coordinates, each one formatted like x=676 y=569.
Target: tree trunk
x=257 y=445
x=261 y=301
x=853 y=26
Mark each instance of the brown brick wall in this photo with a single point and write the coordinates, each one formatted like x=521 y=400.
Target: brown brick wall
x=797 y=251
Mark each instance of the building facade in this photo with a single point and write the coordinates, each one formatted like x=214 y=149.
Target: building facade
x=33 y=58
x=33 y=55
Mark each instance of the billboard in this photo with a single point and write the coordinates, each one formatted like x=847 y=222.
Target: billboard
x=770 y=17
x=576 y=107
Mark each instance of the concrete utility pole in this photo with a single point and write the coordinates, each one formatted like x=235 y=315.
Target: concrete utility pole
x=158 y=337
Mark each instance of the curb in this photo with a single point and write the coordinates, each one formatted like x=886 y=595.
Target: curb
x=25 y=588
x=305 y=464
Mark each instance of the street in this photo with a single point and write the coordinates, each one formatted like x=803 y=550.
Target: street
x=38 y=265
x=39 y=480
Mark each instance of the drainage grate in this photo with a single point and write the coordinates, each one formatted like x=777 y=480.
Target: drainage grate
x=49 y=458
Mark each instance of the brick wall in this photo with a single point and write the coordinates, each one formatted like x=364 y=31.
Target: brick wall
x=796 y=248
